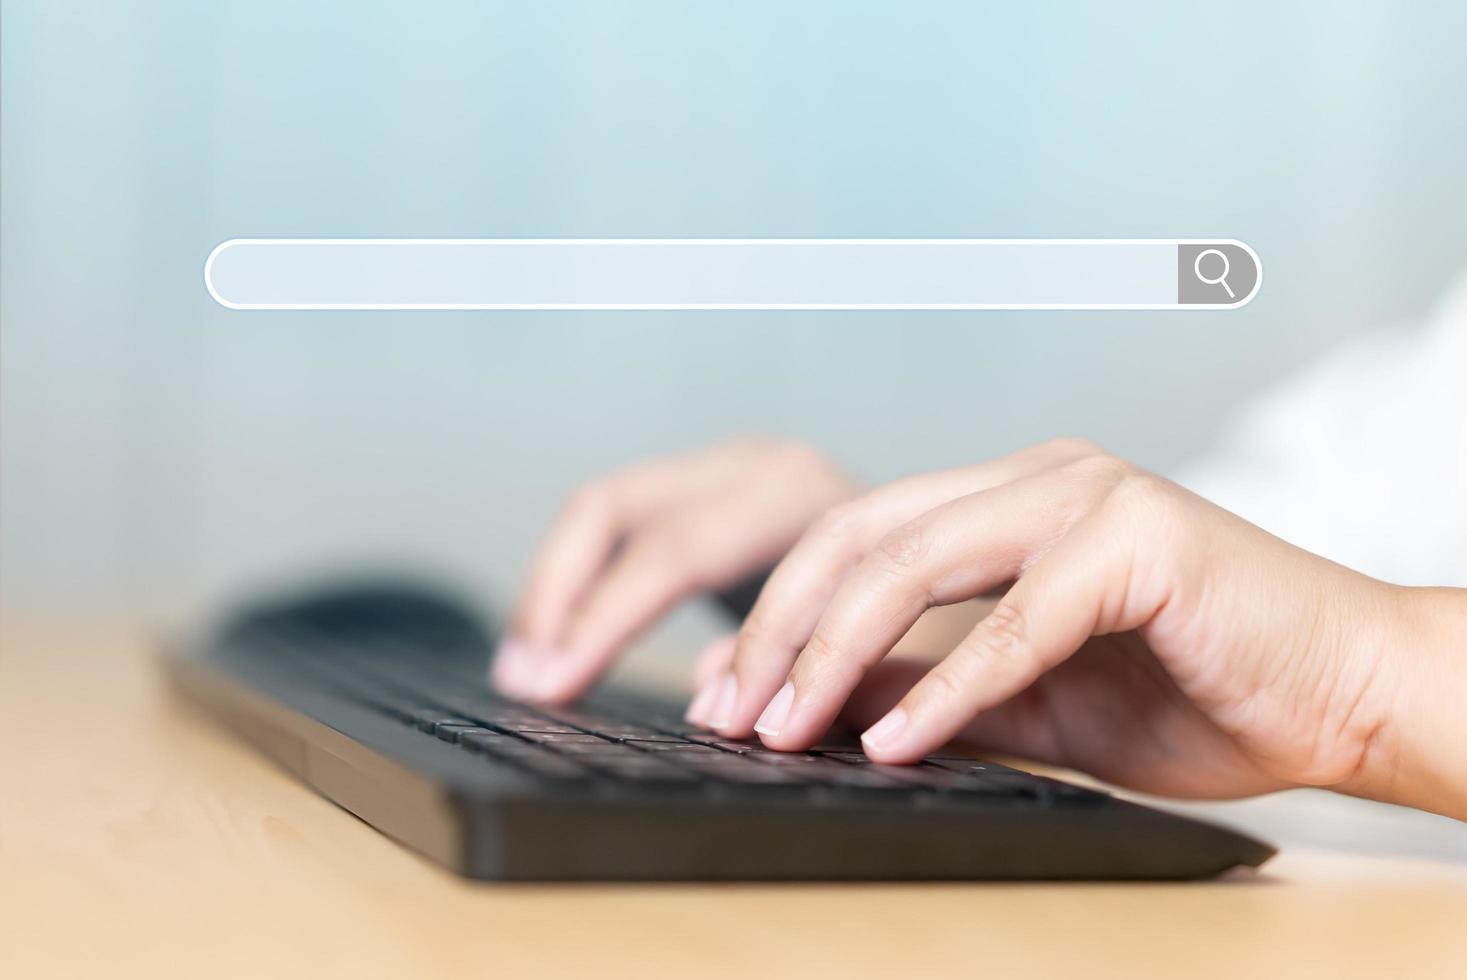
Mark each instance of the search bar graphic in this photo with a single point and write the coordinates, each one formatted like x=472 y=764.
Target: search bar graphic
x=731 y=274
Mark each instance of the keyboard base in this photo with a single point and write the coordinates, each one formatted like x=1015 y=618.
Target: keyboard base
x=494 y=823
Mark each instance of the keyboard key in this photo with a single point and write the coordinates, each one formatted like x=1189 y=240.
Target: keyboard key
x=639 y=733
x=591 y=750
x=758 y=775
x=453 y=733
x=429 y=719
x=950 y=775
x=561 y=739
x=968 y=763
x=796 y=760
x=713 y=759
x=741 y=747
x=932 y=779
x=524 y=721
x=581 y=720
x=863 y=777
x=574 y=746
x=642 y=745
x=540 y=727
x=838 y=744
x=642 y=769
x=663 y=723
x=483 y=740
x=993 y=787
x=509 y=749
x=736 y=769
x=823 y=769
x=1017 y=781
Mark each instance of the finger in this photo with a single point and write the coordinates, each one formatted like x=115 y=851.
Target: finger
x=705 y=543
x=788 y=609
x=577 y=547
x=584 y=535
x=955 y=552
x=714 y=659
x=1085 y=586
x=1012 y=728
x=708 y=670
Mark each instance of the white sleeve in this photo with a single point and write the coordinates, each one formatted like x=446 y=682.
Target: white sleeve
x=1363 y=458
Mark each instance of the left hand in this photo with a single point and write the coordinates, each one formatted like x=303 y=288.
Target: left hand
x=632 y=543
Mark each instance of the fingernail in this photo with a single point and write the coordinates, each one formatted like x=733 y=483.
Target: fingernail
x=698 y=709
x=548 y=675
x=514 y=665
x=886 y=731
x=722 y=711
x=778 y=709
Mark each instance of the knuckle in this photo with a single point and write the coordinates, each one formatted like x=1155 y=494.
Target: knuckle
x=1072 y=447
x=838 y=527
x=754 y=633
x=1102 y=469
x=1151 y=507
x=1144 y=493
x=1002 y=634
x=819 y=651
x=944 y=684
x=905 y=548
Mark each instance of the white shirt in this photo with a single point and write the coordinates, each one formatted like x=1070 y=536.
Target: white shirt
x=1363 y=458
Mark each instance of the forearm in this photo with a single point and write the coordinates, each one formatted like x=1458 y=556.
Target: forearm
x=1419 y=758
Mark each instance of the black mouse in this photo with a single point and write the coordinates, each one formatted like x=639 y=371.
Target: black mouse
x=412 y=610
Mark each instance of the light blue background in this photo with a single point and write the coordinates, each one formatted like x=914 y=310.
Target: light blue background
x=159 y=450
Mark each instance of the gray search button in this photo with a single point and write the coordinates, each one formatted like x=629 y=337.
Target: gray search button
x=1215 y=274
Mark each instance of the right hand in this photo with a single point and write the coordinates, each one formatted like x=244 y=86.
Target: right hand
x=629 y=545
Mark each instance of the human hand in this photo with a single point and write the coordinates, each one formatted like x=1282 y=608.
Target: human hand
x=1149 y=637
x=629 y=545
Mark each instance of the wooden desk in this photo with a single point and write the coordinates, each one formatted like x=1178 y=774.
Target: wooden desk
x=136 y=839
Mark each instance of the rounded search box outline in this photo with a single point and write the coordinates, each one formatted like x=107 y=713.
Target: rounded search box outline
x=705 y=242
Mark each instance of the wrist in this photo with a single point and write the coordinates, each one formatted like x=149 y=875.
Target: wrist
x=1418 y=757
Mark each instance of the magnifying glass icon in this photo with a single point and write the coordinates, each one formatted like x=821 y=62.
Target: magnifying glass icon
x=1222 y=277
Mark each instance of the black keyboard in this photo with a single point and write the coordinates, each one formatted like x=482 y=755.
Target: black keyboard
x=388 y=713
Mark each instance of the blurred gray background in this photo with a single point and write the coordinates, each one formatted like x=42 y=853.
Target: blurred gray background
x=159 y=451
